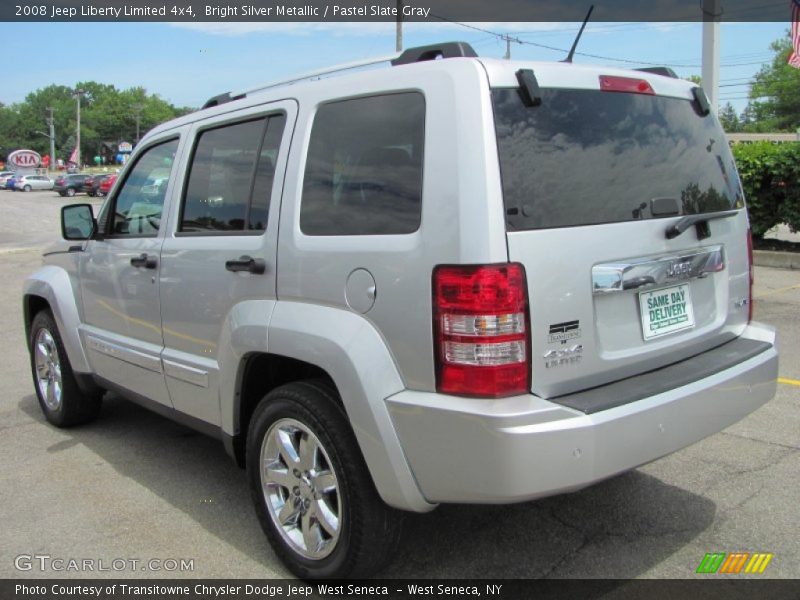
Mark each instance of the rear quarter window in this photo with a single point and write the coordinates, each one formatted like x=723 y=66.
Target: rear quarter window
x=363 y=173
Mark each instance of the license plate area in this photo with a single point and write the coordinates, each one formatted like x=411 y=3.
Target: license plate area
x=666 y=311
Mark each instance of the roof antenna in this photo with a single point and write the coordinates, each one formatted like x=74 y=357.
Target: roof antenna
x=578 y=38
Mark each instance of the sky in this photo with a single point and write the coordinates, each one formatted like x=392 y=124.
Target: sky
x=187 y=63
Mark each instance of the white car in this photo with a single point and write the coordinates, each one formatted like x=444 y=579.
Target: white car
x=27 y=183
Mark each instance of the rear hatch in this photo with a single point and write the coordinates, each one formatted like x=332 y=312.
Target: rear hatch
x=595 y=181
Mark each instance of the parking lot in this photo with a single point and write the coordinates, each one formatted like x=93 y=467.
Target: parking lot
x=135 y=487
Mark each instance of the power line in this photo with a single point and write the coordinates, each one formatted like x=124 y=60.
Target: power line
x=679 y=65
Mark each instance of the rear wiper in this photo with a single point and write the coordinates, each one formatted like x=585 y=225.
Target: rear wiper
x=678 y=228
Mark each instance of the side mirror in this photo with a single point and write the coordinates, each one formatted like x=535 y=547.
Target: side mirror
x=77 y=222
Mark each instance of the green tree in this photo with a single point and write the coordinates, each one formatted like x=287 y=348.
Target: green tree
x=729 y=119
x=108 y=115
x=775 y=93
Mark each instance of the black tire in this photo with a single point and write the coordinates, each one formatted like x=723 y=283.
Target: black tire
x=70 y=192
x=74 y=406
x=369 y=530
x=27 y=188
x=62 y=194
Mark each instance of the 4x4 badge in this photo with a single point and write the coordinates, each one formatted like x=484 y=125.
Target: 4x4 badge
x=565 y=356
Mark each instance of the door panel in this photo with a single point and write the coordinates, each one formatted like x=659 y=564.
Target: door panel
x=119 y=279
x=222 y=253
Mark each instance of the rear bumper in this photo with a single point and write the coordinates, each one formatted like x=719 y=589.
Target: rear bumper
x=525 y=447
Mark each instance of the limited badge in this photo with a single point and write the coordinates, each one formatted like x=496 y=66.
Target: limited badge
x=563 y=332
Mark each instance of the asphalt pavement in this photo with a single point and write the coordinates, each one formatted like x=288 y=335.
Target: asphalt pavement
x=136 y=487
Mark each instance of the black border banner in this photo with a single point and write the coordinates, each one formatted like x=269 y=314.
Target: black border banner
x=387 y=10
x=708 y=587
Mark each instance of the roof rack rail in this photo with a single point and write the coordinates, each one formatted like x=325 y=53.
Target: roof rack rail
x=221 y=99
x=411 y=55
x=434 y=51
x=665 y=71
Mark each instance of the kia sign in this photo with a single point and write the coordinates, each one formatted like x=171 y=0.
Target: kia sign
x=24 y=159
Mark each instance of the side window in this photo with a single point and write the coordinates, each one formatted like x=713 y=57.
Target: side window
x=230 y=178
x=140 y=201
x=363 y=173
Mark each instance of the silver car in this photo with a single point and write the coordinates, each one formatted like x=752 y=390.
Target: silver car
x=27 y=183
x=448 y=281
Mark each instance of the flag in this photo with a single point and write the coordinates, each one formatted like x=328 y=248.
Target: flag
x=73 y=158
x=794 y=57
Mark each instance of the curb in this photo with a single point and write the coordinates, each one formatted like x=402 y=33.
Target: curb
x=776 y=260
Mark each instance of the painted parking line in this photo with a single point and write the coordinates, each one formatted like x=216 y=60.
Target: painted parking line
x=788 y=381
x=776 y=291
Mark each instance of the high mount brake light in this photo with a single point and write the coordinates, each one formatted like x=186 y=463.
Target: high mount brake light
x=631 y=85
x=481 y=337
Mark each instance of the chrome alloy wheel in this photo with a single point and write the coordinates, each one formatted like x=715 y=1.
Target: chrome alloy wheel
x=301 y=489
x=48 y=369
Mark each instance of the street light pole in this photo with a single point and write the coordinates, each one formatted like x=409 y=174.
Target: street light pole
x=398 y=43
x=137 y=109
x=51 y=123
x=78 y=95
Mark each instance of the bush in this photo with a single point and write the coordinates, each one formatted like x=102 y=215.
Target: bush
x=770 y=176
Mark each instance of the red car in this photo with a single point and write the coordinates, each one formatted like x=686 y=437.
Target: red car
x=105 y=186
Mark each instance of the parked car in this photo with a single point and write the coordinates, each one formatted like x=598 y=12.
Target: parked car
x=88 y=185
x=4 y=177
x=11 y=183
x=27 y=183
x=106 y=184
x=463 y=280
x=69 y=185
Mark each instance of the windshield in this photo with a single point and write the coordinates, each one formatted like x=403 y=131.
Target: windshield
x=585 y=157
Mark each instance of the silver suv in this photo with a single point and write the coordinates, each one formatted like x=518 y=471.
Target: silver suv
x=457 y=280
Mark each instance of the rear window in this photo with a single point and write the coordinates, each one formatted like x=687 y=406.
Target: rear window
x=585 y=157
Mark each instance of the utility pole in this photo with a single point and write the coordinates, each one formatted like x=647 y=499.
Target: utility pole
x=508 y=47
x=78 y=95
x=399 y=37
x=52 y=124
x=712 y=11
x=137 y=109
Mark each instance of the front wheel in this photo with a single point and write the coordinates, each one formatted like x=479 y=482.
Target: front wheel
x=62 y=401
x=27 y=188
x=313 y=493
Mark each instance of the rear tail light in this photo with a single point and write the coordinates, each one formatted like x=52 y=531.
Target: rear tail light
x=751 y=275
x=481 y=336
x=631 y=85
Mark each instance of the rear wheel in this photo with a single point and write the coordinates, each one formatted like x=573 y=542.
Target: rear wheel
x=313 y=493
x=60 y=398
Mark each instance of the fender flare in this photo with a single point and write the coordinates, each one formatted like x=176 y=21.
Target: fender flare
x=54 y=286
x=347 y=347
